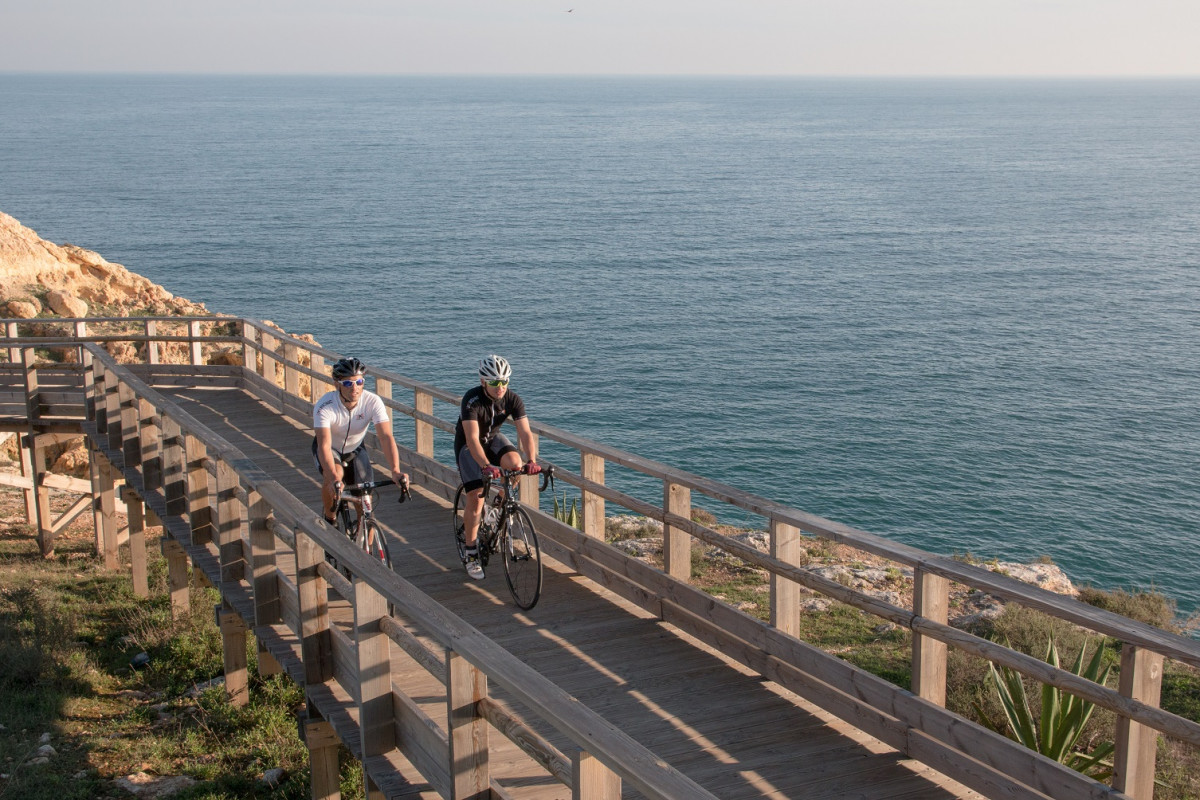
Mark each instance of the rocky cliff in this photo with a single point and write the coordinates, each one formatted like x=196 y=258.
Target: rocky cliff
x=41 y=281
x=40 y=278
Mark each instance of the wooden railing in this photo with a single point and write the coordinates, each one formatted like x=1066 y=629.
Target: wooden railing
x=289 y=372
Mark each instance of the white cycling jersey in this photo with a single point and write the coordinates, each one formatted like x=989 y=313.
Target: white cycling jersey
x=348 y=429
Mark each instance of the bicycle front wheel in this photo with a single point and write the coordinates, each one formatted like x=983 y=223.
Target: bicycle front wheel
x=460 y=500
x=374 y=544
x=522 y=559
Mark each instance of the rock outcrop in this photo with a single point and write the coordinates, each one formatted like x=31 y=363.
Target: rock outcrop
x=41 y=281
x=72 y=282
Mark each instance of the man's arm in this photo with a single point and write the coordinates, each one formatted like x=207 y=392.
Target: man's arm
x=525 y=436
x=329 y=465
x=387 y=443
x=471 y=432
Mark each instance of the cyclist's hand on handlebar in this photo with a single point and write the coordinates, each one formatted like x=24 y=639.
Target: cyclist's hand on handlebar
x=401 y=478
x=491 y=472
x=531 y=468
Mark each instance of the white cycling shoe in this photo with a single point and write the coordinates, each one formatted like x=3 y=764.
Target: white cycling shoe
x=474 y=568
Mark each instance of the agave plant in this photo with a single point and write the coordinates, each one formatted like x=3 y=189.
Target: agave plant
x=1063 y=715
x=568 y=515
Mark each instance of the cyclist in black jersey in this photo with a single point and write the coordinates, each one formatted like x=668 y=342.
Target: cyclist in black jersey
x=480 y=448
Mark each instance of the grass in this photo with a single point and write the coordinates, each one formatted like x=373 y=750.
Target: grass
x=68 y=630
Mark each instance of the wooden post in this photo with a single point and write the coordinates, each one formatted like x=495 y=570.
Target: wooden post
x=89 y=374
x=592 y=779
x=199 y=509
x=174 y=477
x=1136 y=745
x=108 y=513
x=195 y=348
x=25 y=446
x=33 y=399
x=785 y=593
x=470 y=775
x=134 y=513
x=322 y=743
x=931 y=600
x=97 y=513
x=249 y=359
x=131 y=443
x=530 y=495
x=229 y=525
x=267 y=610
x=268 y=357
x=592 y=469
x=97 y=411
x=112 y=410
x=677 y=544
x=177 y=576
x=233 y=645
x=383 y=388
x=14 y=353
x=150 y=444
x=45 y=519
x=376 y=718
x=316 y=646
x=423 y=403
x=152 y=356
x=291 y=376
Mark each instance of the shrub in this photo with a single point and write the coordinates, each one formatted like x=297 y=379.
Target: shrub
x=1151 y=608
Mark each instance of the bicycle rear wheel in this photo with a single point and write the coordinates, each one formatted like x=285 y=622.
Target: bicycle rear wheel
x=522 y=559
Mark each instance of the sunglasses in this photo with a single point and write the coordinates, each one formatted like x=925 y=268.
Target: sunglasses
x=348 y=384
x=497 y=383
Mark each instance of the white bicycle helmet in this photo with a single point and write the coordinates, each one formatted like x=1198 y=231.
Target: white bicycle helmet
x=494 y=368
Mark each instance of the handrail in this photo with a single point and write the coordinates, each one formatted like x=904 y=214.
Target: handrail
x=923 y=621
x=613 y=747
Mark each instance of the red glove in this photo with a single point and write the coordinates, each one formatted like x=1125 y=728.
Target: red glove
x=531 y=468
x=491 y=472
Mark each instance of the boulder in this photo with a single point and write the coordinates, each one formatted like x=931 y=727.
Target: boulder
x=66 y=304
x=20 y=309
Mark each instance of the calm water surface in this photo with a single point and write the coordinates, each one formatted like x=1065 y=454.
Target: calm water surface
x=959 y=314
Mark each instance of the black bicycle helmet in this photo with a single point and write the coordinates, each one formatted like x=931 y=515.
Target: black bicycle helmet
x=349 y=367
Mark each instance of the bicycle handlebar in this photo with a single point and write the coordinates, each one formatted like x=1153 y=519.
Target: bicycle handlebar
x=353 y=491
x=506 y=476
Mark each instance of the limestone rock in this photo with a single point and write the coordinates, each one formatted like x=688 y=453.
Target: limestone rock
x=66 y=304
x=149 y=787
x=20 y=309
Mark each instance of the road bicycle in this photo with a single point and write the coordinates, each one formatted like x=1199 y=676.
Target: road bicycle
x=505 y=529
x=354 y=516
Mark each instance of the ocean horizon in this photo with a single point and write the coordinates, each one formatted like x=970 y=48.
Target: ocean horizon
x=958 y=313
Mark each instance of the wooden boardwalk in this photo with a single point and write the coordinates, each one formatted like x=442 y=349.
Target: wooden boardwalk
x=625 y=681
x=726 y=728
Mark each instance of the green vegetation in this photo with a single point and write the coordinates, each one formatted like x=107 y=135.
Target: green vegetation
x=565 y=514
x=68 y=631
x=1063 y=716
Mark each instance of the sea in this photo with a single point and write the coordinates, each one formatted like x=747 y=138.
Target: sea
x=961 y=314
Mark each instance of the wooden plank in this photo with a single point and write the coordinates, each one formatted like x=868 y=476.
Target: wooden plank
x=593 y=780
x=1136 y=745
x=374 y=677
x=233 y=646
x=785 y=593
x=468 y=751
x=177 y=576
x=931 y=600
x=677 y=545
x=592 y=511
x=134 y=513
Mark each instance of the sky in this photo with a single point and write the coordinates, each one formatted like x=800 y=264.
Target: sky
x=605 y=37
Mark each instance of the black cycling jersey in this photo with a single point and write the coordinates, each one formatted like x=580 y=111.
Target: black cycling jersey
x=489 y=413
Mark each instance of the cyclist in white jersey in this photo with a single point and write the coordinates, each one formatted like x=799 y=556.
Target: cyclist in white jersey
x=340 y=422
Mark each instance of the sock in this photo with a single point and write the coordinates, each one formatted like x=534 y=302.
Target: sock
x=472 y=552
